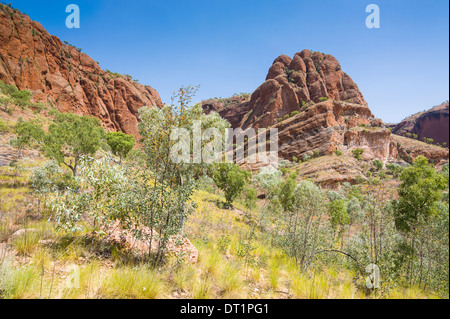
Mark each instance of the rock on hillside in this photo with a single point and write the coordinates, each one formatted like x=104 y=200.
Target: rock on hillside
x=315 y=106
x=318 y=109
x=433 y=123
x=291 y=83
x=32 y=59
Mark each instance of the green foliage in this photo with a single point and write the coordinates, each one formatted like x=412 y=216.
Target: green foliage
x=299 y=230
x=268 y=180
x=394 y=169
x=22 y=98
x=338 y=152
x=95 y=193
x=69 y=137
x=50 y=178
x=158 y=196
x=3 y=127
x=338 y=213
x=250 y=197
x=421 y=189
x=295 y=113
x=231 y=179
x=121 y=144
x=378 y=164
x=357 y=153
x=7 y=89
x=323 y=99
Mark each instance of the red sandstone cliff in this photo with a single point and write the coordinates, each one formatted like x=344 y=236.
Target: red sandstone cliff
x=32 y=59
x=433 y=123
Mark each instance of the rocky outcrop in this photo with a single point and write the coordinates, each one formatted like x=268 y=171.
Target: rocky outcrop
x=233 y=109
x=409 y=149
x=433 y=123
x=57 y=73
x=333 y=125
x=176 y=246
x=291 y=85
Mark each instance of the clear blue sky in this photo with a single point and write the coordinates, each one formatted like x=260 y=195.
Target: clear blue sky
x=228 y=46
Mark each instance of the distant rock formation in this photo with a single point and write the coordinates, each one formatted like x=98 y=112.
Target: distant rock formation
x=433 y=123
x=316 y=107
x=32 y=59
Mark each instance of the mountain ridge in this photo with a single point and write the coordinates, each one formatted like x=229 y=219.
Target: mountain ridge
x=60 y=74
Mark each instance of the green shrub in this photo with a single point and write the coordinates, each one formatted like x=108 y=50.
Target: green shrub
x=357 y=153
x=250 y=197
x=7 y=89
x=231 y=179
x=378 y=164
x=3 y=127
x=295 y=113
x=121 y=144
x=22 y=98
x=338 y=152
x=323 y=99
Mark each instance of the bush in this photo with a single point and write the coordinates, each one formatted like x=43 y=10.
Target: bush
x=22 y=98
x=357 y=153
x=338 y=152
x=231 y=179
x=295 y=113
x=120 y=143
x=3 y=127
x=7 y=89
x=378 y=164
x=323 y=99
x=250 y=197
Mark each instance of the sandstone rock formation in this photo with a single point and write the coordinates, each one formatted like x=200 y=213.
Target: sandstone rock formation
x=409 y=149
x=308 y=78
x=433 y=123
x=315 y=106
x=32 y=59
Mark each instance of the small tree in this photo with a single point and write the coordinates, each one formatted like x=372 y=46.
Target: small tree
x=231 y=179
x=378 y=164
x=357 y=153
x=420 y=195
x=339 y=217
x=68 y=138
x=121 y=144
x=99 y=184
x=48 y=179
x=421 y=189
x=158 y=198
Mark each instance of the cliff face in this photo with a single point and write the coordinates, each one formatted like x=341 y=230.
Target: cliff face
x=315 y=106
x=32 y=59
x=291 y=84
x=433 y=123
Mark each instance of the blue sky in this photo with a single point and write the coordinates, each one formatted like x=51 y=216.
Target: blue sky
x=228 y=46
